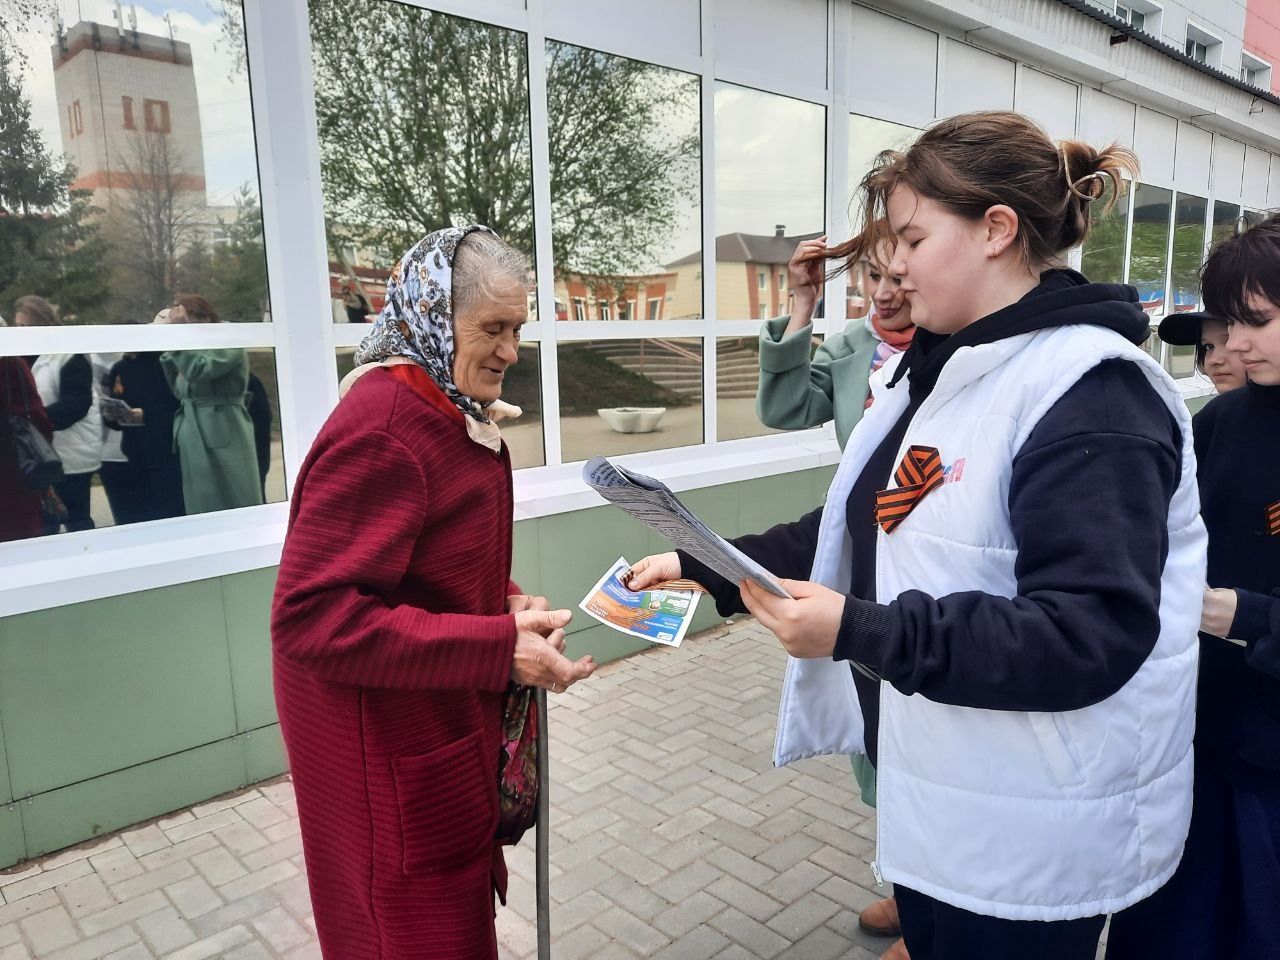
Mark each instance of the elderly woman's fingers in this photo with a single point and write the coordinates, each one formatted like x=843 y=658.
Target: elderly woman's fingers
x=556 y=639
x=542 y=621
x=565 y=672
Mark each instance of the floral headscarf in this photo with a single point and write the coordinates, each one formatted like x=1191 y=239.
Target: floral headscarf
x=416 y=321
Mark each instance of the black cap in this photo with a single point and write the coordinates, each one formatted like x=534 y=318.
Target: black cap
x=1183 y=329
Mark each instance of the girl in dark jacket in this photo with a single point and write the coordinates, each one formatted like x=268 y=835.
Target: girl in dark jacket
x=1224 y=900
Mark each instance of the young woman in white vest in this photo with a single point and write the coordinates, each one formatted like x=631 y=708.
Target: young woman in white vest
x=1012 y=545
x=1224 y=901
x=65 y=383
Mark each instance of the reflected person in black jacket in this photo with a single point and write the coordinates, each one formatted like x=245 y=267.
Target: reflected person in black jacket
x=139 y=380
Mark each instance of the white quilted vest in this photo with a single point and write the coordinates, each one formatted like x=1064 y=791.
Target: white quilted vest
x=79 y=446
x=1024 y=816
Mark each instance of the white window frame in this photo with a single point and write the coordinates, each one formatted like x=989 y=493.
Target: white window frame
x=651 y=315
x=1254 y=65
x=1211 y=42
x=1152 y=14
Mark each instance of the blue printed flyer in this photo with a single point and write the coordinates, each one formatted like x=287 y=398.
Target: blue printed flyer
x=659 y=616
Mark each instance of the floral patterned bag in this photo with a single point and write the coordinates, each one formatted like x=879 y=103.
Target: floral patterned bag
x=518 y=764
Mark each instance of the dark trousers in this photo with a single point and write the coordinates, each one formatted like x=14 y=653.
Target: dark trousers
x=123 y=485
x=1223 y=902
x=937 y=931
x=73 y=491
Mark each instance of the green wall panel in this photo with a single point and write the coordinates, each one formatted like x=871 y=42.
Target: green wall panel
x=108 y=684
x=1196 y=404
x=62 y=817
x=6 y=794
x=13 y=846
x=526 y=565
x=264 y=755
x=246 y=607
x=575 y=548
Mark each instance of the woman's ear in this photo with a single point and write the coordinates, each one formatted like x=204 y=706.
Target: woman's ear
x=1001 y=223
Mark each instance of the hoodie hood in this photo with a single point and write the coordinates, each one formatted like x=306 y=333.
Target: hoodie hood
x=1061 y=298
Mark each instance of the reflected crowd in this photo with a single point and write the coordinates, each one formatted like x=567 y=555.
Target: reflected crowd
x=161 y=433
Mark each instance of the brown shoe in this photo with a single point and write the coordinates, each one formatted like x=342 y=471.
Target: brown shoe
x=896 y=952
x=881 y=919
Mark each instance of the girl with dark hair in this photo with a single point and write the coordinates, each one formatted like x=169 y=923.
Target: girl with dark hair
x=1012 y=552
x=1224 y=901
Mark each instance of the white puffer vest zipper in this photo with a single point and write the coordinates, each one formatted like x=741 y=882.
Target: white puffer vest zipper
x=1025 y=816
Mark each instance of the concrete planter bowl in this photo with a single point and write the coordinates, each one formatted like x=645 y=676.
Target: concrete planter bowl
x=631 y=419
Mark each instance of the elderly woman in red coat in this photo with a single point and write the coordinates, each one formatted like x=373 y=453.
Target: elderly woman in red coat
x=396 y=629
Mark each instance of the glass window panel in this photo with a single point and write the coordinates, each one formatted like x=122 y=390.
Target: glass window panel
x=392 y=173
x=868 y=137
x=1252 y=218
x=134 y=169
x=770 y=171
x=166 y=435
x=1102 y=257
x=624 y=396
x=1182 y=361
x=1226 y=216
x=626 y=211
x=521 y=386
x=737 y=382
x=1149 y=250
x=1188 y=251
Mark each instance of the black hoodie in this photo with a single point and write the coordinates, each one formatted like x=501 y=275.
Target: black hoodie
x=1088 y=503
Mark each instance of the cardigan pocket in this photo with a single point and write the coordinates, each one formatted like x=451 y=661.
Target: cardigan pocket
x=448 y=804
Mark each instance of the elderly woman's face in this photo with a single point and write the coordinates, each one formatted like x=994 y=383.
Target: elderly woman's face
x=486 y=340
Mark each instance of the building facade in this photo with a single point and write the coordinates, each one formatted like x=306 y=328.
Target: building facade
x=134 y=659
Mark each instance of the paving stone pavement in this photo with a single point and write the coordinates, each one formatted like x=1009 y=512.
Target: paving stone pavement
x=674 y=837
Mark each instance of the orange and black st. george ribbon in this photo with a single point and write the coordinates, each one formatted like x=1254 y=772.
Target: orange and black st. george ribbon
x=1273 y=519
x=919 y=472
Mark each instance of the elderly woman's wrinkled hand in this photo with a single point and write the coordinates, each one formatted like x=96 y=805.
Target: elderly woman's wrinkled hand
x=539 y=658
x=518 y=602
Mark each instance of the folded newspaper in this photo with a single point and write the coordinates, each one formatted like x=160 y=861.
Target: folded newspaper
x=654 y=505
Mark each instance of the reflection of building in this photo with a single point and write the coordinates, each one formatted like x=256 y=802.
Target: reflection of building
x=751 y=276
x=641 y=297
x=128 y=112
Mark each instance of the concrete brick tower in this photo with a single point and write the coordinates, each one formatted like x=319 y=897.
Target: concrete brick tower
x=128 y=112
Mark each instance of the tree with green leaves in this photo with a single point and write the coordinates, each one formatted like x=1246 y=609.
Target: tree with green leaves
x=424 y=121
x=237 y=276
x=48 y=244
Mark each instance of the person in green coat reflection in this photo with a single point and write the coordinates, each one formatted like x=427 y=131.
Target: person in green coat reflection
x=797 y=392
x=212 y=432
